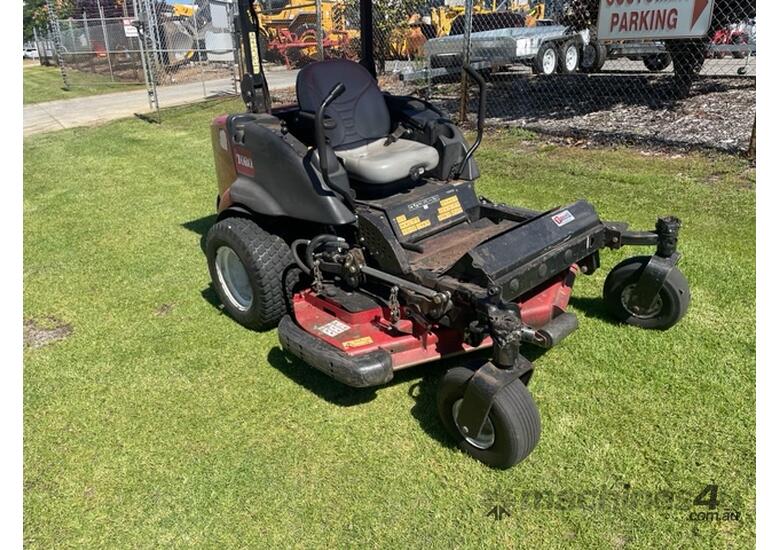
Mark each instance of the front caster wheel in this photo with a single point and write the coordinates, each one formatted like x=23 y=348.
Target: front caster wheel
x=666 y=311
x=511 y=430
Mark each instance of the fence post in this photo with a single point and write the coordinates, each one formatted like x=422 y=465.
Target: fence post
x=464 y=82
x=151 y=88
x=105 y=40
x=751 y=152
x=320 y=39
x=58 y=50
x=199 y=54
x=38 y=46
x=89 y=43
x=237 y=61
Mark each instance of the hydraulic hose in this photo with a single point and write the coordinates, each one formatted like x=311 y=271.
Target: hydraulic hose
x=312 y=245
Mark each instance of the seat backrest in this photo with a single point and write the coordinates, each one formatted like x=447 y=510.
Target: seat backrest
x=360 y=113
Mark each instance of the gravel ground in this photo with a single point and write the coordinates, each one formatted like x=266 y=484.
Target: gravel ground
x=621 y=108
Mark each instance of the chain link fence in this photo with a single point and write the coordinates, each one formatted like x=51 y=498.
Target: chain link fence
x=555 y=68
x=552 y=66
x=178 y=52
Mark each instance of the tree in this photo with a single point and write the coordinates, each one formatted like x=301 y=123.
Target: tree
x=390 y=17
x=36 y=13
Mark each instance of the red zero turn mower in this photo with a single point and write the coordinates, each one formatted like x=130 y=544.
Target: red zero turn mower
x=351 y=222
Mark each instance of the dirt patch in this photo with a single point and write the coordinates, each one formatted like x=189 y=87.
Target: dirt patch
x=163 y=310
x=45 y=330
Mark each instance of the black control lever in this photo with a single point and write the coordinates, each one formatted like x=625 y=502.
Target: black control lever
x=322 y=143
x=475 y=76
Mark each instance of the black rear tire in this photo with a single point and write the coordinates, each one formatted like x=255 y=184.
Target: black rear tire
x=267 y=261
x=514 y=418
x=670 y=306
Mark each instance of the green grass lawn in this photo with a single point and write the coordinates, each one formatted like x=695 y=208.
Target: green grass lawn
x=152 y=420
x=45 y=84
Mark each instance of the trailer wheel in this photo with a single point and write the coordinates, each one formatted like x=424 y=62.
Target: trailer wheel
x=569 y=57
x=739 y=40
x=656 y=63
x=546 y=61
x=594 y=55
x=669 y=307
x=248 y=268
x=511 y=431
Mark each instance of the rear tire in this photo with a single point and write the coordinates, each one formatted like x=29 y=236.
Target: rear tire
x=249 y=268
x=670 y=305
x=511 y=431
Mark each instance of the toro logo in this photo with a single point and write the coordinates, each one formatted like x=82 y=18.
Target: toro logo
x=244 y=164
x=562 y=218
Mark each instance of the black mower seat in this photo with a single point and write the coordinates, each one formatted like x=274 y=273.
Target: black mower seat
x=362 y=123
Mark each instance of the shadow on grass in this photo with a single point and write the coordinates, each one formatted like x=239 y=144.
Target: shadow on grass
x=201 y=226
x=210 y=295
x=593 y=308
x=318 y=383
x=423 y=392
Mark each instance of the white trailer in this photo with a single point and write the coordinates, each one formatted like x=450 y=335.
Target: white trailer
x=548 y=49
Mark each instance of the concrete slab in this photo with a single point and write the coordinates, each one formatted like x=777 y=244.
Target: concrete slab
x=97 y=109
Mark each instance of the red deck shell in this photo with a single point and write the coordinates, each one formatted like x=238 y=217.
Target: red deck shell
x=409 y=343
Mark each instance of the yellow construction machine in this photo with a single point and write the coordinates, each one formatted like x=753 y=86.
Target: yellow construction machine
x=407 y=42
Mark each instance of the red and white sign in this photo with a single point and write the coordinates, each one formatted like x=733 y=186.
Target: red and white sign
x=131 y=31
x=654 y=19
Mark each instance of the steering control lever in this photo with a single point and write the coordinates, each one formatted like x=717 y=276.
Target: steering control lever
x=322 y=142
x=475 y=76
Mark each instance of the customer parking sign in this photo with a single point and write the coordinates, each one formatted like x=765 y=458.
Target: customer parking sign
x=654 y=19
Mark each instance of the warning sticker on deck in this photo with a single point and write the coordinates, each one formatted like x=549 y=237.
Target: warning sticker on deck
x=562 y=218
x=334 y=328
x=364 y=341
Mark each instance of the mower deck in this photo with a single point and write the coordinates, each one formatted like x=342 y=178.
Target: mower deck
x=350 y=335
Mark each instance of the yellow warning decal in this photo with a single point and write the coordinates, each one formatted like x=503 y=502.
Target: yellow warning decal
x=365 y=340
x=449 y=207
x=410 y=225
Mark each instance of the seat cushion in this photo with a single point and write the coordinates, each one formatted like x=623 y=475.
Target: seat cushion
x=376 y=162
